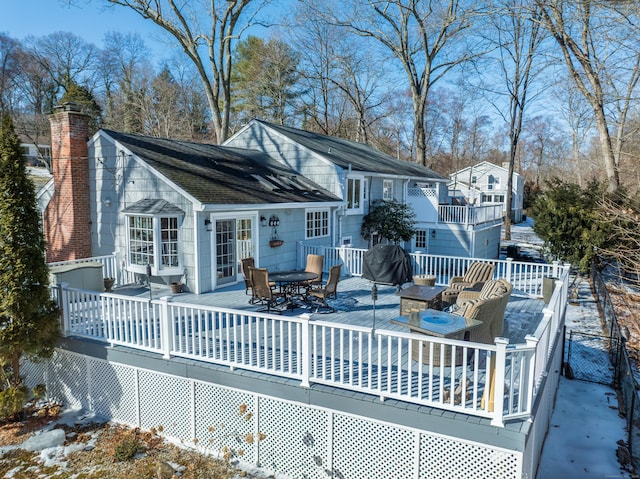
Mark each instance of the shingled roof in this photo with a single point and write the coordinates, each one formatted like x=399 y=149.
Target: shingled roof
x=358 y=156
x=222 y=175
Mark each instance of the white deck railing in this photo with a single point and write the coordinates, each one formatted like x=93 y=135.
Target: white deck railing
x=469 y=215
x=526 y=277
x=385 y=363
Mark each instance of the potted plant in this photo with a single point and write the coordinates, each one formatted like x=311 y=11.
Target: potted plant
x=108 y=284
x=274 y=243
x=176 y=287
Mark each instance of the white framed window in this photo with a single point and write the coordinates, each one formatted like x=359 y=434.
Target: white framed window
x=387 y=190
x=346 y=241
x=355 y=195
x=421 y=239
x=317 y=223
x=153 y=241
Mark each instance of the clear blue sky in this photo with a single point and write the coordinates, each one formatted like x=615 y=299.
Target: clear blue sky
x=89 y=19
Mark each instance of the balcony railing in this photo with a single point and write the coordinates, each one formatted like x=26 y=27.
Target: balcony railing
x=469 y=215
x=424 y=202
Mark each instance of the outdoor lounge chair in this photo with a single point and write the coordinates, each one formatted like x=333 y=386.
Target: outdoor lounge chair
x=263 y=293
x=476 y=275
x=487 y=305
x=500 y=287
x=320 y=295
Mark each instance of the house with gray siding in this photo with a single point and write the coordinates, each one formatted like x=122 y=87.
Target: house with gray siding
x=176 y=210
x=180 y=211
x=359 y=175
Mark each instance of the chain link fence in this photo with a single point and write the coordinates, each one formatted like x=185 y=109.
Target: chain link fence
x=590 y=357
x=624 y=372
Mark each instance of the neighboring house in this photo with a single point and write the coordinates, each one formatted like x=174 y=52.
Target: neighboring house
x=359 y=174
x=486 y=183
x=43 y=185
x=36 y=155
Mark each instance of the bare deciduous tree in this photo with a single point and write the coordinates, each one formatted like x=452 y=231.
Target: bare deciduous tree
x=205 y=31
x=124 y=69
x=598 y=42
x=66 y=58
x=427 y=37
x=9 y=70
x=518 y=37
x=622 y=219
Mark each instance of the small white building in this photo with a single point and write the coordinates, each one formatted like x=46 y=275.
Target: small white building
x=486 y=183
x=36 y=155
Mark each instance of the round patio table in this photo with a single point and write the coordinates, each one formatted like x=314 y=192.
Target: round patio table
x=289 y=283
x=294 y=276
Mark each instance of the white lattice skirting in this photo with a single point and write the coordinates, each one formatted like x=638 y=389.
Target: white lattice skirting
x=288 y=438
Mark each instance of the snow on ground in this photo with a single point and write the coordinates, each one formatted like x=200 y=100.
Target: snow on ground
x=585 y=425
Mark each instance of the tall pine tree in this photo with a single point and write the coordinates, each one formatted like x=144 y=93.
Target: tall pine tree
x=28 y=316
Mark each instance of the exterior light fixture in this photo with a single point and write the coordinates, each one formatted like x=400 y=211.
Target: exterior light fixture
x=433 y=234
x=208 y=225
x=274 y=220
x=263 y=221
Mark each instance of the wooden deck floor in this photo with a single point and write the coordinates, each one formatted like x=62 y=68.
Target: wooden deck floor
x=354 y=305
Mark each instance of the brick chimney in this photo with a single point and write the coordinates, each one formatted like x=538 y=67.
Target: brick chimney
x=67 y=217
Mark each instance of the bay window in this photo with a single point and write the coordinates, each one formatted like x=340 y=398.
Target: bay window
x=154 y=241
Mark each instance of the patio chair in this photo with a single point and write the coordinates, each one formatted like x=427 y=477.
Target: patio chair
x=263 y=292
x=315 y=263
x=488 y=306
x=501 y=288
x=320 y=295
x=246 y=264
x=476 y=275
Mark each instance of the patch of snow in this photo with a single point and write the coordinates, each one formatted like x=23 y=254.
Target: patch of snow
x=44 y=440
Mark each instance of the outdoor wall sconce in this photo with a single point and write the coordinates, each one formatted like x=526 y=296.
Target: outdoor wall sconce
x=433 y=234
x=274 y=220
x=263 y=221
x=208 y=225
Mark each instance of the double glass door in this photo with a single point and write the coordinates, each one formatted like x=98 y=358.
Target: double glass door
x=234 y=242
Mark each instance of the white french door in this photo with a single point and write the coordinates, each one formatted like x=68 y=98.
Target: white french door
x=235 y=240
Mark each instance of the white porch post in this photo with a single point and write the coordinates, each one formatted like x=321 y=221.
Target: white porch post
x=305 y=351
x=166 y=326
x=63 y=304
x=498 y=376
x=531 y=380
